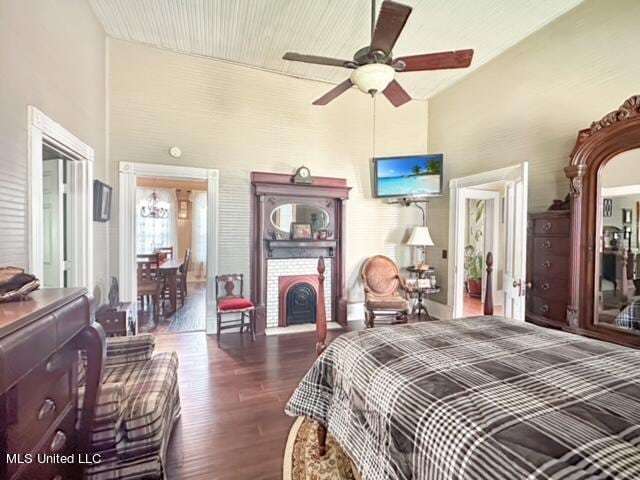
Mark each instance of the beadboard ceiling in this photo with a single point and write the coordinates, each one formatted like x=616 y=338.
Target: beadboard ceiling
x=258 y=32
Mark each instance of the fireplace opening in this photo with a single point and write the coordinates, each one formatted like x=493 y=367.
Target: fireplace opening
x=301 y=304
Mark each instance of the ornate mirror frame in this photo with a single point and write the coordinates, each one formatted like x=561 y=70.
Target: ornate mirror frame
x=615 y=133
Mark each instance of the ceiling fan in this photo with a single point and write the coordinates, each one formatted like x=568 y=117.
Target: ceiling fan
x=374 y=67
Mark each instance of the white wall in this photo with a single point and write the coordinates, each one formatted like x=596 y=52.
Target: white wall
x=239 y=120
x=52 y=56
x=529 y=103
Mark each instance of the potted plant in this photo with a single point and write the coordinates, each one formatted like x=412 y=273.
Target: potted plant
x=473 y=271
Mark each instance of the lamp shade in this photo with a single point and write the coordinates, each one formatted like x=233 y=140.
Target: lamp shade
x=373 y=77
x=420 y=236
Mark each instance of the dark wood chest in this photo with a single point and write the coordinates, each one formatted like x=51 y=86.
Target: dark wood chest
x=118 y=321
x=40 y=340
x=548 y=246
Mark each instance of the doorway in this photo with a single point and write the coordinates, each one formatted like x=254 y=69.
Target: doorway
x=60 y=172
x=55 y=219
x=488 y=213
x=183 y=192
x=171 y=220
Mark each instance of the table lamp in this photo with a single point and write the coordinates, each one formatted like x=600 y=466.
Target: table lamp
x=420 y=237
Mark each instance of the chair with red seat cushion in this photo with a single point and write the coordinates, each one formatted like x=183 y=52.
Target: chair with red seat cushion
x=230 y=302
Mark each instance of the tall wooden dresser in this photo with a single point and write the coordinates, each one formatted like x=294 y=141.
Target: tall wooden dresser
x=548 y=268
x=40 y=338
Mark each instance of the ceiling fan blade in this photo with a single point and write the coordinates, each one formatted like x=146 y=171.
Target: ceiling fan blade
x=334 y=92
x=391 y=21
x=436 y=61
x=299 y=57
x=396 y=94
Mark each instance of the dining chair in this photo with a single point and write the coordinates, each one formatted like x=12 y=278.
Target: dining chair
x=231 y=302
x=183 y=273
x=150 y=282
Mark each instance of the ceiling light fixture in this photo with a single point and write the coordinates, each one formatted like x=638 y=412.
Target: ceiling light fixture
x=154 y=208
x=373 y=77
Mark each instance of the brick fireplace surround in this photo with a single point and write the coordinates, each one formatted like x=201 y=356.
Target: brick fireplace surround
x=283 y=275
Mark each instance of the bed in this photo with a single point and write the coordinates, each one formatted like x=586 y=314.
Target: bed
x=477 y=398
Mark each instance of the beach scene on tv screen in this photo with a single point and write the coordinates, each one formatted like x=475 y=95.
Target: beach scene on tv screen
x=413 y=176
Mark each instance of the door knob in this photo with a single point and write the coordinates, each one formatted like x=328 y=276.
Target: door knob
x=518 y=283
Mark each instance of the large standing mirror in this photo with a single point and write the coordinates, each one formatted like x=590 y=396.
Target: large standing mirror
x=618 y=286
x=604 y=176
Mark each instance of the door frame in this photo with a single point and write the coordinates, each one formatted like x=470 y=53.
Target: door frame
x=455 y=281
x=42 y=129
x=129 y=171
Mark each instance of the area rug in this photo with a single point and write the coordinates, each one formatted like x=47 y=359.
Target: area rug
x=301 y=460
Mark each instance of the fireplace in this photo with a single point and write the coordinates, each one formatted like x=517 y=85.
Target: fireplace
x=301 y=305
x=297 y=299
x=279 y=203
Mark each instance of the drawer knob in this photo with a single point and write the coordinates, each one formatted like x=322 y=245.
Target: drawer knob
x=545 y=309
x=59 y=439
x=546 y=286
x=547 y=264
x=546 y=244
x=47 y=409
x=547 y=226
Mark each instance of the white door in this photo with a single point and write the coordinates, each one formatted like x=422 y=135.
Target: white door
x=515 y=265
x=53 y=222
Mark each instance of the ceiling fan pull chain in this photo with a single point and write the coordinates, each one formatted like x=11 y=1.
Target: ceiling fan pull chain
x=373 y=133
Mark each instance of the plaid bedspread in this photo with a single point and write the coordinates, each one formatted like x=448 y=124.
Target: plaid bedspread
x=630 y=316
x=478 y=398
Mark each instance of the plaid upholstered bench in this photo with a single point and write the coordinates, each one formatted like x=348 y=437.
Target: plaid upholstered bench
x=136 y=410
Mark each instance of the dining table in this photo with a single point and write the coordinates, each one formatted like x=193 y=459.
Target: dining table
x=168 y=269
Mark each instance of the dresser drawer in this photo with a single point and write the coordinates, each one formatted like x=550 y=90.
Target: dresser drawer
x=549 y=288
x=551 y=265
x=58 y=440
x=554 y=310
x=552 y=226
x=41 y=397
x=551 y=245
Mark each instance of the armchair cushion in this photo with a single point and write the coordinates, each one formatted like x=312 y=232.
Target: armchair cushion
x=131 y=349
x=388 y=303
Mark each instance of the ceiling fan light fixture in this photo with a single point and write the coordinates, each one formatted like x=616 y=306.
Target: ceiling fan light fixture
x=373 y=77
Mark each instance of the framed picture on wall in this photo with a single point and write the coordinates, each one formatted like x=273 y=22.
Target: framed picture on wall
x=183 y=209
x=607 y=207
x=101 y=201
x=627 y=216
x=300 y=231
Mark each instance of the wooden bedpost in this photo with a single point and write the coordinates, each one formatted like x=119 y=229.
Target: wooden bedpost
x=321 y=336
x=321 y=317
x=488 y=293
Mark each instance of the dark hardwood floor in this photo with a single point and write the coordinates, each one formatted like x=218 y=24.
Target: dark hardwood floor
x=233 y=425
x=189 y=317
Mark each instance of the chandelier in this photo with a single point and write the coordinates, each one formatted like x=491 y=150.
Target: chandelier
x=153 y=209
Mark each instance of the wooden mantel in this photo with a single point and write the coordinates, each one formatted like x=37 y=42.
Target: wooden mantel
x=268 y=191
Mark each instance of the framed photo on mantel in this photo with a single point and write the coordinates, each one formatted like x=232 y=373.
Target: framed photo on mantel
x=300 y=231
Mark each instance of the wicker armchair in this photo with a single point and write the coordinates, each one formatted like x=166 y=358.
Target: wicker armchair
x=137 y=408
x=385 y=291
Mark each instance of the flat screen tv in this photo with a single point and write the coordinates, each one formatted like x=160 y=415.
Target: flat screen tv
x=410 y=176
